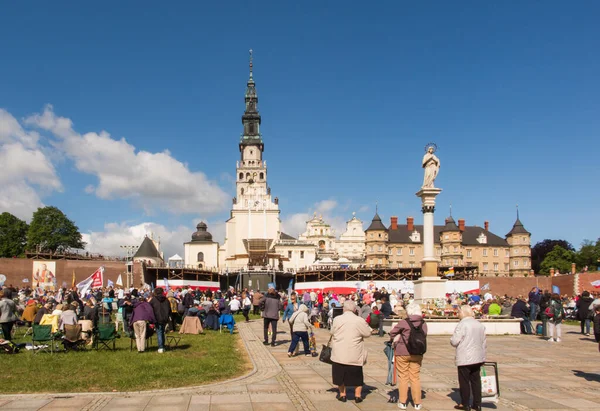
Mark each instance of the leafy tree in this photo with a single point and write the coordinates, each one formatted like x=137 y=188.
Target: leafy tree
x=559 y=259
x=541 y=249
x=13 y=235
x=588 y=255
x=51 y=230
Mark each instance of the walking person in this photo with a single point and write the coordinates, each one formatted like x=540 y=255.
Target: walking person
x=290 y=309
x=471 y=345
x=301 y=327
x=408 y=365
x=556 y=315
x=271 y=305
x=246 y=305
x=585 y=312
x=8 y=313
x=256 y=297
x=348 y=352
x=162 y=310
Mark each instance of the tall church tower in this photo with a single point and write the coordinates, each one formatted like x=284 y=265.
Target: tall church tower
x=254 y=226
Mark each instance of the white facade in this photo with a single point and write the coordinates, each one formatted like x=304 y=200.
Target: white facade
x=296 y=254
x=351 y=244
x=202 y=255
x=320 y=234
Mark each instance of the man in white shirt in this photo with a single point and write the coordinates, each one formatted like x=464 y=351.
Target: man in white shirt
x=234 y=305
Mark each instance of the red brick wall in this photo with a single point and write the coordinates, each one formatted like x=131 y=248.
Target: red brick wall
x=514 y=286
x=585 y=279
x=565 y=283
x=16 y=269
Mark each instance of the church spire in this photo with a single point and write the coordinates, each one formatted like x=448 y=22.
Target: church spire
x=251 y=117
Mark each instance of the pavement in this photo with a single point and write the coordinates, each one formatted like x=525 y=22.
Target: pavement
x=534 y=375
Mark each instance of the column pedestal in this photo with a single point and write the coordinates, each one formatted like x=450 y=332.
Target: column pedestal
x=429 y=286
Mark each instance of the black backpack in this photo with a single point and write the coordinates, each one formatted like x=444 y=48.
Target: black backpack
x=417 y=340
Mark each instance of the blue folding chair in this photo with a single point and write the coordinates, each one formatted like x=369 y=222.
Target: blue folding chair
x=227 y=321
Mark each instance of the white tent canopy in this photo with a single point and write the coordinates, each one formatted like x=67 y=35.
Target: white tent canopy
x=176 y=257
x=176 y=261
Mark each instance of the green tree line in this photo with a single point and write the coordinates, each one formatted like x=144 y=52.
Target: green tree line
x=560 y=254
x=50 y=230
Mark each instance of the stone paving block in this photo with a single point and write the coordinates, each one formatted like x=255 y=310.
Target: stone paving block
x=25 y=404
x=197 y=400
x=75 y=403
x=264 y=388
x=269 y=398
x=335 y=405
x=169 y=400
x=275 y=406
x=230 y=399
x=229 y=407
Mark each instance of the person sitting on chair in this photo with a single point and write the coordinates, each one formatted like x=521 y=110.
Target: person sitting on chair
x=46 y=309
x=30 y=311
x=68 y=316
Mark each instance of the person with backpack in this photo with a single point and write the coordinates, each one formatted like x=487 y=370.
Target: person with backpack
x=556 y=315
x=409 y=339
x=471 y=345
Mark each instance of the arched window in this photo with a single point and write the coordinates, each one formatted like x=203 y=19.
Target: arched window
x=248 y=175
x=200 y=256
x=241 y=176
x=262 y=176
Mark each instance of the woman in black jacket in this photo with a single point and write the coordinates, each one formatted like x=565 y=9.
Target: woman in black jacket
x=585 y=312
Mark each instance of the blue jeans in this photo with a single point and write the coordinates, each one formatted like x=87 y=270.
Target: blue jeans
x=160 y=335
x=535 y=308
x=585 y=323
x=526 y=325
x=296 y=337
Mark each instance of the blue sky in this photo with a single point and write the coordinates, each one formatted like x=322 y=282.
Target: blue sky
x=349 y=94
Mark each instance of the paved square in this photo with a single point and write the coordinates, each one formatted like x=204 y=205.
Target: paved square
x=534 y=375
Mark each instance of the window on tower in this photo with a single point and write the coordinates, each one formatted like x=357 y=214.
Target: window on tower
x=251 y=128
x=241 y=176
x=262 y=176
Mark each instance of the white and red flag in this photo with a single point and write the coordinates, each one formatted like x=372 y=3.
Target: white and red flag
x=93 y=281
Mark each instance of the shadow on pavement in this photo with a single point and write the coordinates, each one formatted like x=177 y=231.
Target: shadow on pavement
x=587 y=375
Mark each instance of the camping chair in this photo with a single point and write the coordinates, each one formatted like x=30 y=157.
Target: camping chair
x=50 y=319
x=105 y=334
x=72 y=338
x=42 y=334
x=227 y=321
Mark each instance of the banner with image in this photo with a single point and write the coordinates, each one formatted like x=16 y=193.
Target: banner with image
x=44 y=275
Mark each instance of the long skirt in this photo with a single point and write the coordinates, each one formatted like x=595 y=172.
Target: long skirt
x=348 y=375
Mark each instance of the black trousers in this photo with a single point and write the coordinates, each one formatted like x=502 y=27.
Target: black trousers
x=255 y=310
x=245 y=313
x=7 y=330
x=469 y=380
x=273 y=323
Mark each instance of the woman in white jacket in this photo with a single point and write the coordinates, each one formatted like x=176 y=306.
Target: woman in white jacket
x=470 y=343
x=300 y=329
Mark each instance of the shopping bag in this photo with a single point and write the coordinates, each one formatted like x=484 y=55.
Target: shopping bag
x=312 y=344
x=326 y=353
x=489 y=387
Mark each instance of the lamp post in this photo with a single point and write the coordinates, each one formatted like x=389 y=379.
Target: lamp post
x=129 y=249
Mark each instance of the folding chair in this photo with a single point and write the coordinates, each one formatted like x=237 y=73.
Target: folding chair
x=42 y=334
x=105 y=334
x=72 y=339
x=227 y=321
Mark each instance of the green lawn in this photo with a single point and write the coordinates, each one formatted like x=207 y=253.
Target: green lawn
x=200 y=359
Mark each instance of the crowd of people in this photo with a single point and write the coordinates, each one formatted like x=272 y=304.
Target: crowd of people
x=351 y=319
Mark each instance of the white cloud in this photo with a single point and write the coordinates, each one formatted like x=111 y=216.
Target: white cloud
x=152 y=180
x=27 y=172
x=325 y=206
x=108 y=242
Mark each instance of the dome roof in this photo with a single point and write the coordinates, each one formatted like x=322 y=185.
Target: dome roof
x=201 y=235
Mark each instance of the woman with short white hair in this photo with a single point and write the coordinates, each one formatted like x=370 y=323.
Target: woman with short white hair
x=348 y=352
x=471 y=344
x=408 y=365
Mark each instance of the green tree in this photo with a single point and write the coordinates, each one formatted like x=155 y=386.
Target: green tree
x=559 y=259
x=51 y=230
x=13 y=235
x=541 y=249
x=588 y=255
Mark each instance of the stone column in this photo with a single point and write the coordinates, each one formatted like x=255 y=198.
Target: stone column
x=430 y=262
x=429 y=286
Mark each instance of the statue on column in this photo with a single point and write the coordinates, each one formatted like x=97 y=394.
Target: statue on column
x=431 y=164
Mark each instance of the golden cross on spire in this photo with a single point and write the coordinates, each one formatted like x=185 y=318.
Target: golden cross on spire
x=250 y=51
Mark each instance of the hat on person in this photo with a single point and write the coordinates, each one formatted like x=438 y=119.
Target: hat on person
x=271 y=285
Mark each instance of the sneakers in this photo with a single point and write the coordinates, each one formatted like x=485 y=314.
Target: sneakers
x=558 y=340
x=417 y=406
x=161 y=350
x=587 y=334
x=402 y=406
x=551 y=340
